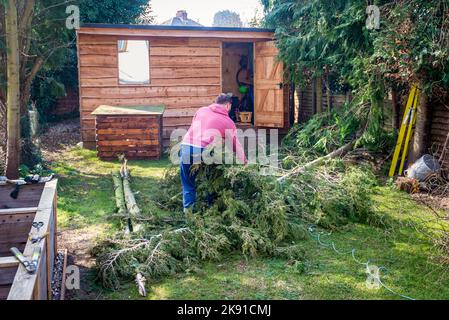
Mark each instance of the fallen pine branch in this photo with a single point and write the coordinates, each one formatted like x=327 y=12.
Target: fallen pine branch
x=111 y=260
x=251 y=215
x=337 y=153
x=260 y=221
x=130 y=201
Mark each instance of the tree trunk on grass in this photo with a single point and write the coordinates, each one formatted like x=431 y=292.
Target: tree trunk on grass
x=13 y=91
x=118 y=191
x=130 y=200
x=422 y=126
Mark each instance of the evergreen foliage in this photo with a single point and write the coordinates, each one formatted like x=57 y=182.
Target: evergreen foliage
x=252 y=213
x=318 y=35
x=331 y=38
x=326 y=132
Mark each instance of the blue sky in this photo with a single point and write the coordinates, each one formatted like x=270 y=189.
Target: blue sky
x=203 y=10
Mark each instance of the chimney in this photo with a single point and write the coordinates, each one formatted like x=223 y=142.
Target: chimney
x=182 y=14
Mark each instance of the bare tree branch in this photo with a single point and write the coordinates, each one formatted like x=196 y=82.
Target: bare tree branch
x=57 y=5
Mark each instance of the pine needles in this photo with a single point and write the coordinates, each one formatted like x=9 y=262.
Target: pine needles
x=241 y=209
x=251 y=213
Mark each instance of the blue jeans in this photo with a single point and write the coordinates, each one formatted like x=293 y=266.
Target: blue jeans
x=189 y=156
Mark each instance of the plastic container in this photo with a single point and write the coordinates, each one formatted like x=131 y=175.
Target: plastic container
x=423 y=167
x=243 y=89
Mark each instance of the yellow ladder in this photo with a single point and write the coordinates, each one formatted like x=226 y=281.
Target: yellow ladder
x=406 y=131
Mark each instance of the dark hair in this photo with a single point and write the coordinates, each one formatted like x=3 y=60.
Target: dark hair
x=224 y=98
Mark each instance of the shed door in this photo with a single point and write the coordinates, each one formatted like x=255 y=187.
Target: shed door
x=268 y=88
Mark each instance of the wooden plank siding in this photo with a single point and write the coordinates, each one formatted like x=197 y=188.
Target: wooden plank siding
x=185 y=75
x=38 y=286
x=28 y=198
x=135 y=136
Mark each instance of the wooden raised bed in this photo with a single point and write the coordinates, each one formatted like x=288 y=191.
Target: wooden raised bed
x=35 y=203
x=135 y=131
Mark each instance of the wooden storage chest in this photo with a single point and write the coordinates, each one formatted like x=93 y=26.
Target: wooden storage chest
x=134 y=131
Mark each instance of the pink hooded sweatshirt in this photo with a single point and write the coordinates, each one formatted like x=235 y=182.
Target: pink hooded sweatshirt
x=210 y=122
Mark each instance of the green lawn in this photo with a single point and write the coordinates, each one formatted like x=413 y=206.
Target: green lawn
x=86 y=200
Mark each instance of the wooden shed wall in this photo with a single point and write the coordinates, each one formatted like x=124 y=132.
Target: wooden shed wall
x=185 y=74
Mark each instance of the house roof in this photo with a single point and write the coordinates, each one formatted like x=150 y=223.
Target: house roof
x=182 y=19
x=175 y=21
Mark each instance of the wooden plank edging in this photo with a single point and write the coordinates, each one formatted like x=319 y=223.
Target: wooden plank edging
x=13 y=211
x=26 y=286
x=8 y=262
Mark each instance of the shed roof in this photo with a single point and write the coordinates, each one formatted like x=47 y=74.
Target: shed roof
x=176 y=31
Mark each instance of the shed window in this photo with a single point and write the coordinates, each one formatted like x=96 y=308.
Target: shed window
x=133 y=61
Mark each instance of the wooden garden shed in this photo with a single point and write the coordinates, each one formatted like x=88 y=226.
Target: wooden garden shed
x=181 y=68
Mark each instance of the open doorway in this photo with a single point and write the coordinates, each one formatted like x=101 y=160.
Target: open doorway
x=238 y=79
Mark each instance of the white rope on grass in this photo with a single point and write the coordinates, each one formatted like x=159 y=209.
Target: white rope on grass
x=311 y=229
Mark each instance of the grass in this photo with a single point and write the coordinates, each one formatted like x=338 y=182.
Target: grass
x=86 y=200
x=85 y=194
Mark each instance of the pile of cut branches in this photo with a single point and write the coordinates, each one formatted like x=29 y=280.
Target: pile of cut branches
x=241 y=209
x=252 y=213
x=331 y=130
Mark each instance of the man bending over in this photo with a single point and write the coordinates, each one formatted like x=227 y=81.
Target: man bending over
x=208 y=124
